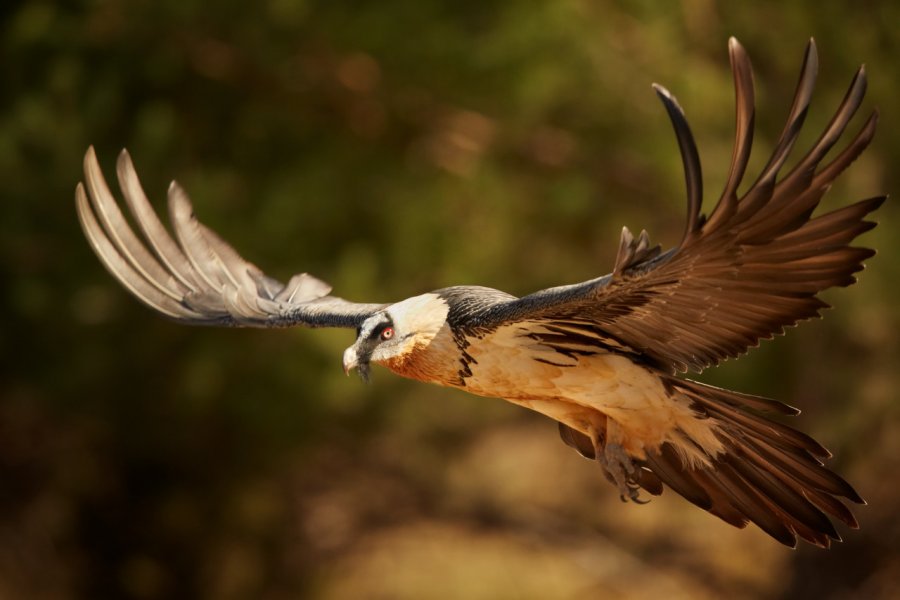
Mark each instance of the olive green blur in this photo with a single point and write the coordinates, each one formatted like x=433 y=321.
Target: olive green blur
x=391 y=148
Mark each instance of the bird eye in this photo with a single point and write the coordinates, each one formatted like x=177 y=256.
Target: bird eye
x=387 y=333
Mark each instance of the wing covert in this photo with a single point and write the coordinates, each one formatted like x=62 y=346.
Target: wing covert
x=195 y=277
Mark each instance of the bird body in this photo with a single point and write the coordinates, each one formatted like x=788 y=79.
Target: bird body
x=600 y=392
x=603 y=357
x=512 y=363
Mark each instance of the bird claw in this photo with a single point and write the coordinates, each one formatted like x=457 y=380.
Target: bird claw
x=622 y=471
x=619 y=467
x=634 y=495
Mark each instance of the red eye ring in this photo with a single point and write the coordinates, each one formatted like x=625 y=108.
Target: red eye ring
x=387 y=333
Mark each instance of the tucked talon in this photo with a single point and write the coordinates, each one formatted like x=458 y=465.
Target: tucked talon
x=635 y=495
x=618 y=466
x=615 y=454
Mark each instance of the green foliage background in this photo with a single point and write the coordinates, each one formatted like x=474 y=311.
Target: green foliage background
x=393 y=147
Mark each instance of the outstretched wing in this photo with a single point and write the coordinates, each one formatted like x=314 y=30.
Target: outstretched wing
x=199 y=279
x=752 y=268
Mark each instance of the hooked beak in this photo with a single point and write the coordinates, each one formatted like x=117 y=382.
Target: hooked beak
x=351 y=361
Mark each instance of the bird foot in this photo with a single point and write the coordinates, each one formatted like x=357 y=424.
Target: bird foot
x=622 y=471
x=619 y=467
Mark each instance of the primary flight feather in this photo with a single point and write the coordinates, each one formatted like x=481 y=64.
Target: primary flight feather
x=601 y=357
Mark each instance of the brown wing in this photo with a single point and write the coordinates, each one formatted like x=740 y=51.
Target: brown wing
x=199 y=279
x=754 y=267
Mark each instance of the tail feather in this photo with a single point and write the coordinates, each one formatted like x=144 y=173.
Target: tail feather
x=752 y=503
x=722 y=506
x=731 y=407
x=810 y=472
x=769 y=473
x=783 y=494
x=669 y=467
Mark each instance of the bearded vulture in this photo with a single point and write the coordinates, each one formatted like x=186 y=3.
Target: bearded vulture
x=603 y=358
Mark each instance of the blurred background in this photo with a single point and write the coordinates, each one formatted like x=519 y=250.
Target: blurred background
x=390 y=148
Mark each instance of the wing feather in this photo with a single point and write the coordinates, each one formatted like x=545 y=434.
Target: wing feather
x=111 y=258
x=195 y=277
x=169 y=253
x=752 y=269
x=690 y=158
x=121 y=236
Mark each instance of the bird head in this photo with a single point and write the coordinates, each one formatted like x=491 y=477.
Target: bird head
x=391 y=335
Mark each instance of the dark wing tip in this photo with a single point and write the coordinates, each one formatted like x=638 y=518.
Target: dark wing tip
x=690 y=158
x=735 y=48
x=664 y=93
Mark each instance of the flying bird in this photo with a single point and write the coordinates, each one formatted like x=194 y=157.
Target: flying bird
x=605 y=358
